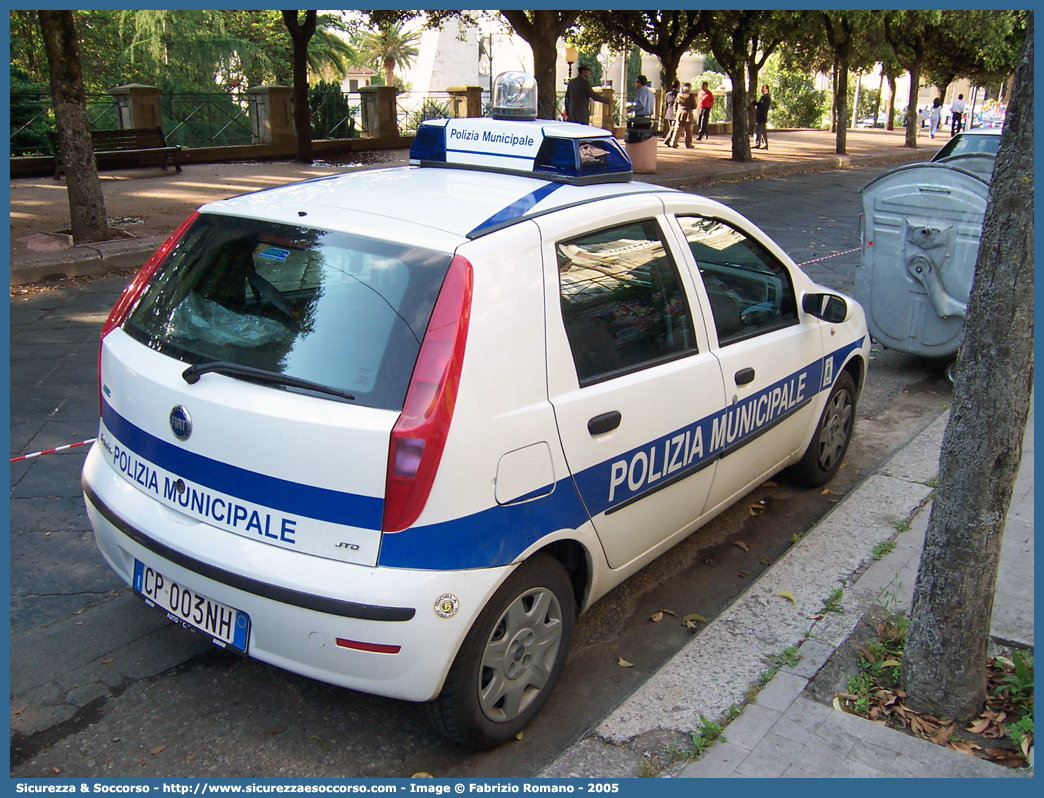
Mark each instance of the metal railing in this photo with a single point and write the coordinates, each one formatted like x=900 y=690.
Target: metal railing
x=412 y=108
x=209 y=120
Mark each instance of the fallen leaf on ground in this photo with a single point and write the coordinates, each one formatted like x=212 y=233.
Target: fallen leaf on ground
x=763 y=561
x=624 y=663
x=157 y=749
x=19 y=711
x=107 y=661
x=756 y=509
x=979 y=726
x=656 y=617
x=319 y=740
x=190 y=757
x=741 y=574
x=890 y=663
x=421 y=775
x=787 y=595
x=828 y=492
x=769 y=484
x=742 y=545
x=270 y=732
x=692 y=619
x=817 y=617
x=944 y=736
x=56 y=770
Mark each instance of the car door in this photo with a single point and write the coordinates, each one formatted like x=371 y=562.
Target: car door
x=630 y=375
x=770 y=353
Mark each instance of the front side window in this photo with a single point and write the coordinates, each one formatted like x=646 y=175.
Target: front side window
x=623 y=305
x=750 y=291
x=342 y=311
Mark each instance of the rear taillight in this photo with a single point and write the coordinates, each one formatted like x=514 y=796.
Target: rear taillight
x=419 y=435
x=137 y=285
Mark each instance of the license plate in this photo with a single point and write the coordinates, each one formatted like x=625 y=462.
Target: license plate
x=226 y=625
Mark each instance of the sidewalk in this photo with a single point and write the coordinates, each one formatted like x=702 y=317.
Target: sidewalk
x=785 y=731
x=147 y=204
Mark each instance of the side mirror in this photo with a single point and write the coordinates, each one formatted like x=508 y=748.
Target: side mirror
x=828 y=307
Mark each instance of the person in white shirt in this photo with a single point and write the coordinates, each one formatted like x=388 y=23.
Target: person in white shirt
x=957 y=115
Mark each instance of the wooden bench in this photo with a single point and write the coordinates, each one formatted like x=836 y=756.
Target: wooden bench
x=117 y=147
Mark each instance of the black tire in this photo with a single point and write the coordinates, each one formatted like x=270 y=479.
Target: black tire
x=511 y=659
x=828 y=446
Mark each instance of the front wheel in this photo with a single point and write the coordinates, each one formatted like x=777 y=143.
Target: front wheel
x=827 y=448
x=511 y=659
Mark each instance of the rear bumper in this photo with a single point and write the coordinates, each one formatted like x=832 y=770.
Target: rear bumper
x=299 y=605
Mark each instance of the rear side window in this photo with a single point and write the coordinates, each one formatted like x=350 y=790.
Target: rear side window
x=623 y=305
x=339 y=310
x=750 y=291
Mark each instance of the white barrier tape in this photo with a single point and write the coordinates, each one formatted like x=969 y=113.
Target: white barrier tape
x=55 y=449
x=828 y=257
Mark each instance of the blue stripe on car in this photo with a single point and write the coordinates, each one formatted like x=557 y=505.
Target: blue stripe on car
x=308 y=501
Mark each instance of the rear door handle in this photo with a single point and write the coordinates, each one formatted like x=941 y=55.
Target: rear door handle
x=606 y=422
x=743 y=376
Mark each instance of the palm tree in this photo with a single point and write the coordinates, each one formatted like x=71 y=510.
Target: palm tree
x=387 y=48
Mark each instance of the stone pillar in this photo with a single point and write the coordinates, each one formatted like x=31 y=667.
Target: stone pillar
x=137 y=106
x=379 y=117
x=272 y=114
x=601 y=114
x=466 y=100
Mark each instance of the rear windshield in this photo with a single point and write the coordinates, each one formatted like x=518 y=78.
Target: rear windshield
x=339 y=310
x=963 y=145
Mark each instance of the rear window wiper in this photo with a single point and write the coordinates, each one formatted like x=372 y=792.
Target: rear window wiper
x=192 y=374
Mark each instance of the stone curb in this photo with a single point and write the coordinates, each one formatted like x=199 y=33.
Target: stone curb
x=87 y=260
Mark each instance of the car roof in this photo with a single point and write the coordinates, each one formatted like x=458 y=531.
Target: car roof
x=461 y=202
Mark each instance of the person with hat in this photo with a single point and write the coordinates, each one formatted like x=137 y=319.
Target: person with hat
x=578 y=97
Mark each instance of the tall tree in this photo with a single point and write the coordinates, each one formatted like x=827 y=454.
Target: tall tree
x=542 y=30
x=388 y=47
x=844 y=31
x=944 y=664
x=731 y=36
x=86 y=202
x=300 y=33
x=909 y=34
x=666 y=34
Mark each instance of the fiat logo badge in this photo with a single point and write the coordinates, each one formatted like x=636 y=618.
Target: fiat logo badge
x=180 y=423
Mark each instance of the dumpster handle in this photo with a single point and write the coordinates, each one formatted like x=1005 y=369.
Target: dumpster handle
x=934 y=190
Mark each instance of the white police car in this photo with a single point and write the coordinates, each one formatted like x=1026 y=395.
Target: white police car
x=394 y=430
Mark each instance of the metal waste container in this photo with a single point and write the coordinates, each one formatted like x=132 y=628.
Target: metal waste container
x=640 y=141
x=920 y=233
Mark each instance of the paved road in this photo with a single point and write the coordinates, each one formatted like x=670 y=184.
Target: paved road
x=99 y=681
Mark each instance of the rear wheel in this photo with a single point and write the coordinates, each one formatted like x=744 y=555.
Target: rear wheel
x=511 y=659
x=827 y=448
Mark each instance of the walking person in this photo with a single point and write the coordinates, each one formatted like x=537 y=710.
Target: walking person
x=644 y=102
x=684 y=106
x=579 y=95
x=957 y=115
x=934 y=117
x=669 y=113
x=761 y=109
x=705 y=101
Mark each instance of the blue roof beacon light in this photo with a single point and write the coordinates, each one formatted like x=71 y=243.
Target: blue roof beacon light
x=514 y=141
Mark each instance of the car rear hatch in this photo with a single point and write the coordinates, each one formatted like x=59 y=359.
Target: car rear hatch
x=255 y=383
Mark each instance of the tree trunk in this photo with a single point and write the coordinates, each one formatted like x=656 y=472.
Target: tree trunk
x=300 y=35
x=86 y=202
x=841 y=98
x=911 y=105
x=891 y=103
x=944 y=664
x=833 y=100
x=740 y=116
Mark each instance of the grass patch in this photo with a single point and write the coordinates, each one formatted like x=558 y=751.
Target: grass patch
x=902 y=526
x=883 y=548
x=832 y=603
